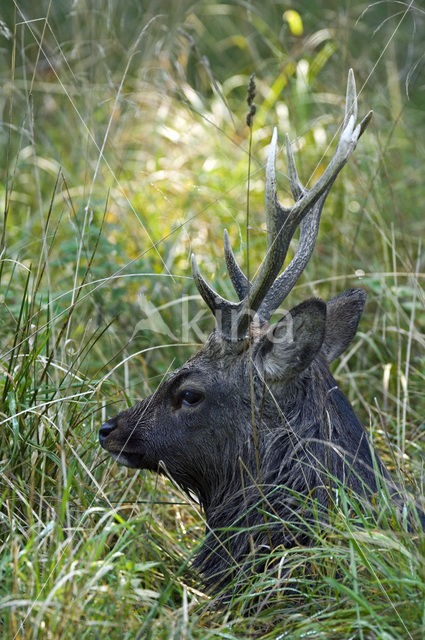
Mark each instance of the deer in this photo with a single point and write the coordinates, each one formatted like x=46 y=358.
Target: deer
x=254 y=424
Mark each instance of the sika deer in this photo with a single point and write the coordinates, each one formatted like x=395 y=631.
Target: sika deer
x=254 y=421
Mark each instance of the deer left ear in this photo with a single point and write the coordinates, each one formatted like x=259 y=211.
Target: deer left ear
x=343 y=316
x=290 y=345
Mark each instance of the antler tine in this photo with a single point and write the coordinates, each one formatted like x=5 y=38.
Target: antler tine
x=223 y=310
x=350 y=99
x=212 y=298
x=208 y=294
x=237 y=276
x=295 y=183
x=363 y=123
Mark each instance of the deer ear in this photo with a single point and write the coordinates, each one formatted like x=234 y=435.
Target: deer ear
x=290 y=345
x=343 y=316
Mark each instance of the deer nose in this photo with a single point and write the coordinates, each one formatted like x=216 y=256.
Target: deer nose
x=105 y=430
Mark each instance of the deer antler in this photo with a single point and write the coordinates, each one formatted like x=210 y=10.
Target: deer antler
x=269 y=289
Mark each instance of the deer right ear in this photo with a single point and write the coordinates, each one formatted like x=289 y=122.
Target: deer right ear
x=290 y=345
x=343 y=316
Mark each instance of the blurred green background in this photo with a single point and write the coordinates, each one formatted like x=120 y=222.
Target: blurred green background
x=125 y=148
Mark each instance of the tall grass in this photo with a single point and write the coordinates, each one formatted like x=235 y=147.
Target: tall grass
x=125 y=149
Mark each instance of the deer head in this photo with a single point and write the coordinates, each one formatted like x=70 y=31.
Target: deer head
x=255 y=414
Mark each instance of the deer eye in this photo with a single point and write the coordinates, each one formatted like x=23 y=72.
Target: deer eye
x=190 y=397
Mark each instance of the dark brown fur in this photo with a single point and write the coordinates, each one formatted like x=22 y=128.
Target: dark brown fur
x=304 y=433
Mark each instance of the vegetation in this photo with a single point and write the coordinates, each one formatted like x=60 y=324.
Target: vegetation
x=124 y=149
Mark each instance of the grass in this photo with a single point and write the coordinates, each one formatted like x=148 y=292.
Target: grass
x=125 y=150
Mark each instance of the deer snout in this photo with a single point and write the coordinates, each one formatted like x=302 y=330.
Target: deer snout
x=105 y=430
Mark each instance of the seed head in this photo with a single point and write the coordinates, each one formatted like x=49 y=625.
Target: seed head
x=250 y=100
